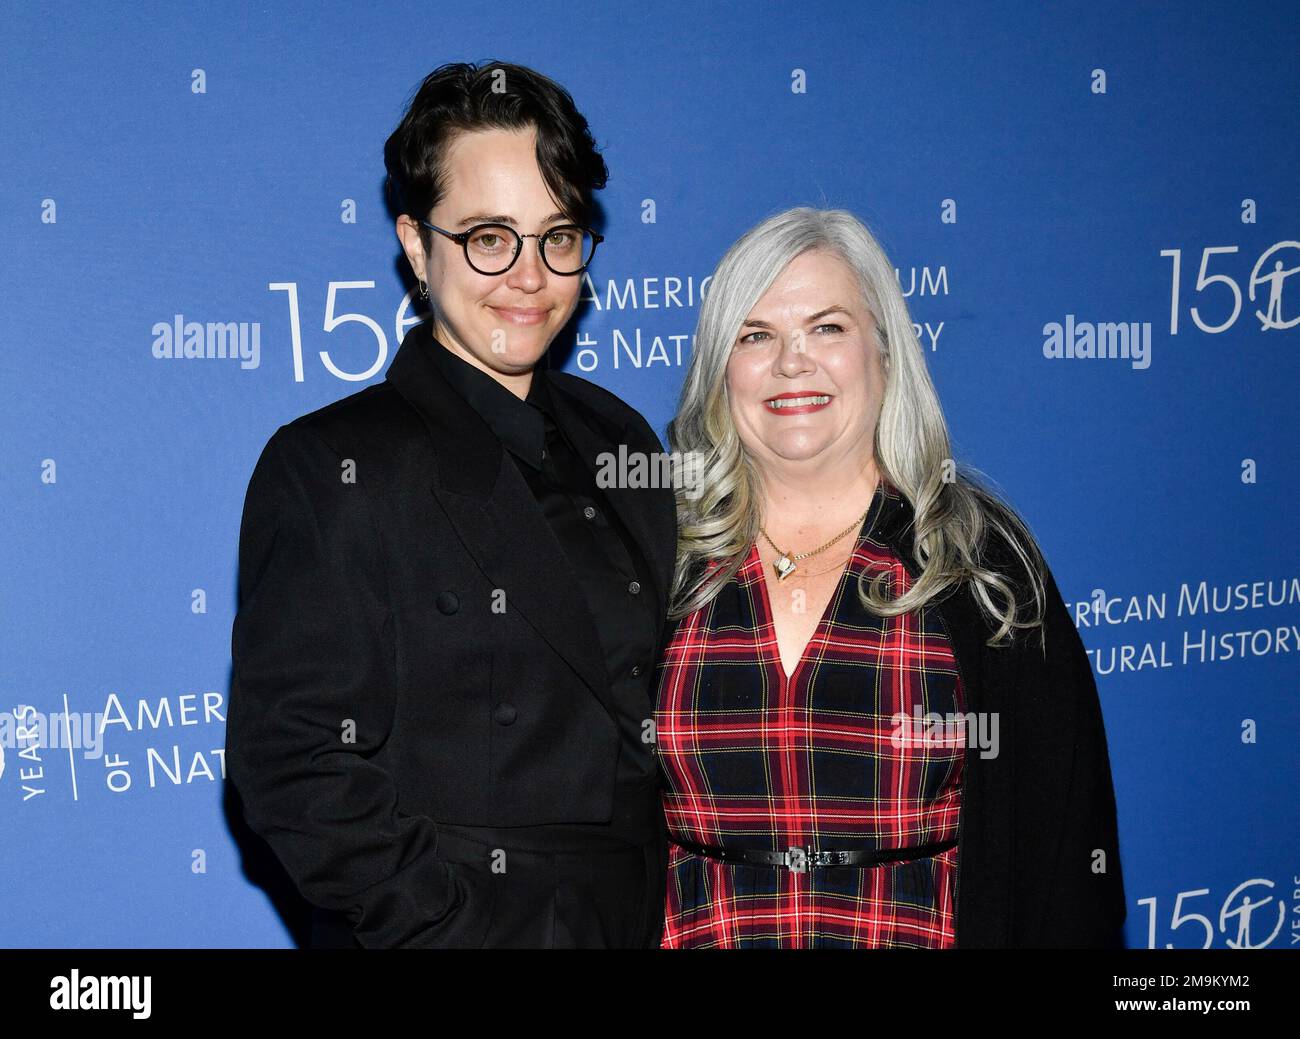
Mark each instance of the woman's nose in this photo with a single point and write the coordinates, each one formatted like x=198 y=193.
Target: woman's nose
x=528 y=272
x=793 y=355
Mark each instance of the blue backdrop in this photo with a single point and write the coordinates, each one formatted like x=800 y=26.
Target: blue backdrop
x=1026 y=166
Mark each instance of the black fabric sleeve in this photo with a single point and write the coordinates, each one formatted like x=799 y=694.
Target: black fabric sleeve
x=1085 y=908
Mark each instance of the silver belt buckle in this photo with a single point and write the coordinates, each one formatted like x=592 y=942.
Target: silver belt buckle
x=797 y=859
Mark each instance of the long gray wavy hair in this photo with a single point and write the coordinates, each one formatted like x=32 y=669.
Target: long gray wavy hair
x=954 y=515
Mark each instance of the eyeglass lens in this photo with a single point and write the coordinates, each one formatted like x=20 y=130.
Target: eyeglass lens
x=566 y=250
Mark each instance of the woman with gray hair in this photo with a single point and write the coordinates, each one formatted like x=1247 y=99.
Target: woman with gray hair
x=877 y=724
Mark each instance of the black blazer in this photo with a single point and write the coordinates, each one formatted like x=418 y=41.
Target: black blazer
x=412 y=646
x=1034 y=817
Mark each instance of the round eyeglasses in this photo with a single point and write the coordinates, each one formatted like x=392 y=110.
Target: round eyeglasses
x=494 y=248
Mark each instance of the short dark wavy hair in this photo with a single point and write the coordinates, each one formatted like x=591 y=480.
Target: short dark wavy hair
x=460 y=97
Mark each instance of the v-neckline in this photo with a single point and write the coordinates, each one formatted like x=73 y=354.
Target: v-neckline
x=769 y=621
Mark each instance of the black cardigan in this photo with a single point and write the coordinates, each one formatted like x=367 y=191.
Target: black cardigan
x=1038 y=821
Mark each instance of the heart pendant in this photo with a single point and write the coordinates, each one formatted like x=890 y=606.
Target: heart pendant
x=785 y=566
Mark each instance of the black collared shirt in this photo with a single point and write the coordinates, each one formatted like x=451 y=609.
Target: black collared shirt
x=607 y=563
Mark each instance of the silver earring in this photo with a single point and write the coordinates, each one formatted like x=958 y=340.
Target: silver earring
x=424 y=290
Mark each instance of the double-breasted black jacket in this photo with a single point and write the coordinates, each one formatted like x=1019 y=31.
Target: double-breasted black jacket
x=413 y=647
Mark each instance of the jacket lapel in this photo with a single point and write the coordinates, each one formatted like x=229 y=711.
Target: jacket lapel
x=496 y=516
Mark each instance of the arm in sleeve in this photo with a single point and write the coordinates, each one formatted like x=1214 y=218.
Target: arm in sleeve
x=1086 y=909
x=312 y=699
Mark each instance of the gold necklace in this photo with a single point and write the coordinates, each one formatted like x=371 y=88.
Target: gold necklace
x=785 y=563
x=838 y=566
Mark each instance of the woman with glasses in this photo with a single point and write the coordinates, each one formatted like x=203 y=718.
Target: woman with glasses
x=447 y=630
x=877 y=722
x=492 y=248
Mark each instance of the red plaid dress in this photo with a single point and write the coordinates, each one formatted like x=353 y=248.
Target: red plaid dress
x=753 y=760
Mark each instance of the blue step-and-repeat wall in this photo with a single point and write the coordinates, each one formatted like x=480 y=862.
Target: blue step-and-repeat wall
x=1027 y=167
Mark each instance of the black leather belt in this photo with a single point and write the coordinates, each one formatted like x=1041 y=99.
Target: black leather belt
x=800 y=860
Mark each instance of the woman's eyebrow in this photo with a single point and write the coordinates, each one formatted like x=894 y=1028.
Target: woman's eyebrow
x=811 y=317
x=499 y=218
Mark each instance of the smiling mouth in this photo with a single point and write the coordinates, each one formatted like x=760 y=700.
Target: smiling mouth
x=810 y=400
x=523 y=315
